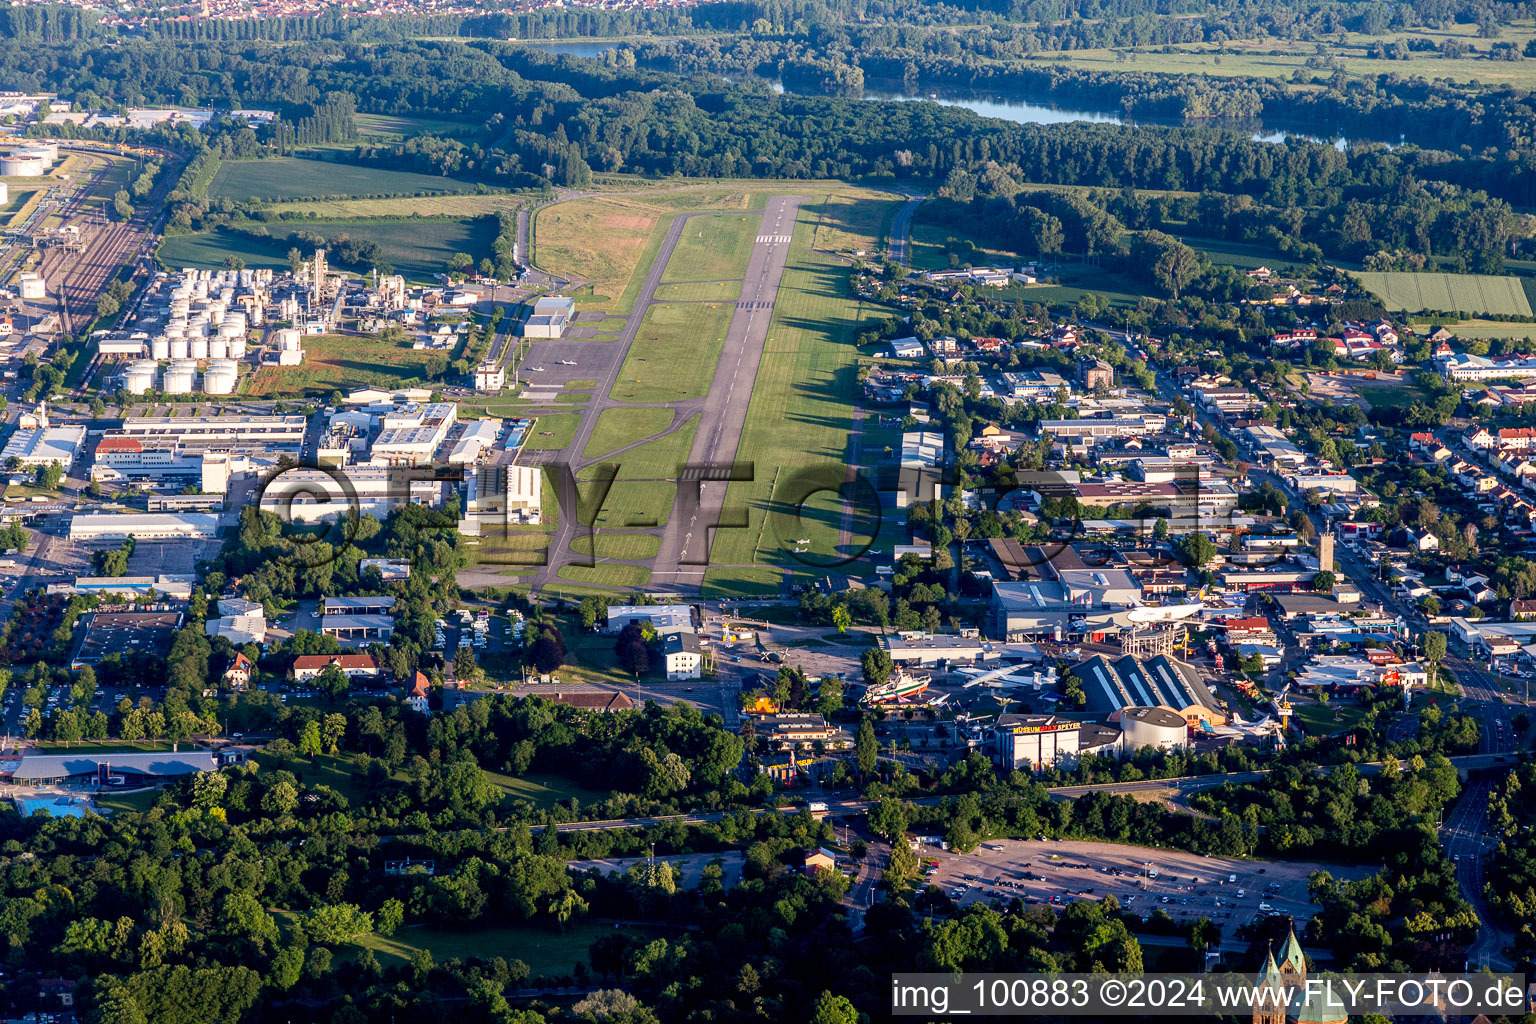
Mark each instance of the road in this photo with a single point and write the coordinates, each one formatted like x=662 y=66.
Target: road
x=901 y=231
x=1467 y=835
x=684 y=552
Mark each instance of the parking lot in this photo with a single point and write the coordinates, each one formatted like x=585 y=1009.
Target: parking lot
x=688 y=866
x=1185 y=886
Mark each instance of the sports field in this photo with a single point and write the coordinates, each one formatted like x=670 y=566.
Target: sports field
x=675 y=352
x=339 y=362
x=1470 y=293
x=295 y=178
x=416 y=248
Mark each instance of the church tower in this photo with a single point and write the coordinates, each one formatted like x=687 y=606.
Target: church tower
x=1269 y=1002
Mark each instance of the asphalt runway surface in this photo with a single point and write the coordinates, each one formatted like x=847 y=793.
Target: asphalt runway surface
x=684 y=553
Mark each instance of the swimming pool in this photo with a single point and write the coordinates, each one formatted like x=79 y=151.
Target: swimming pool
x=54 y=806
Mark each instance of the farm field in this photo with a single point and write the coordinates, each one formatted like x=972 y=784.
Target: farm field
x=333 y=361
x=445 y=205
x=1484 y=329
x=713 y=247
x=1470 y=293
x=415 y=248
x=929 y=241
x=296 y=178
x=680 y=345
x=1254 y=57
x=800 y=413
x=382 y=127
x=619 y=427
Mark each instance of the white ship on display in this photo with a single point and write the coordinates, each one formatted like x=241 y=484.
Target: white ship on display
x=900 y=686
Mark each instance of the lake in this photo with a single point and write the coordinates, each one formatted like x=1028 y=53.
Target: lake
x=1005 y=108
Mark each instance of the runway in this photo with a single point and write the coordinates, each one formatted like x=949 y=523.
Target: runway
x=684 y=553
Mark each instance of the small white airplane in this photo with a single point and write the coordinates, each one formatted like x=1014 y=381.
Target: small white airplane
x=567 y=362
x=536 y=369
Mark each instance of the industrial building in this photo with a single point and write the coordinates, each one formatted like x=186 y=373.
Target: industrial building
x=128 y=770
x=129 y=460
x=663 y=618
x=1056 y=587
x=176 y=586
x=1159 y=681
x=501 y=496
x=44 y=445
x=107 y=527
x=357 y=628
x=411 y=434
x=478 y=437
x=383 y=604
x=549 y=317
x=1105 y=427
x=314 y=495
x=254 y=435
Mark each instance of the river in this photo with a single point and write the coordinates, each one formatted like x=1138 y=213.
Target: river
x=1006 y=108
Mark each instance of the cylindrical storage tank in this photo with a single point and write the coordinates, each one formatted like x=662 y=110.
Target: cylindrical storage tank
x=218 y=348
x=198 y=348
x=179 y=377
x=179 y=348
x=200 y=288
x=174 y=331
x=139 y=378
x=17 y=165
x=47 y=150
x=39 y=153
x=160 y=348
x=216 y=313
x=1152 y=727
x=237 y=348
x=219 y=382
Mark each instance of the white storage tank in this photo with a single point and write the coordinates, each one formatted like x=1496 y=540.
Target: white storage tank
x=218 y=348
x=47 y=150
x=237 y=347
x=160 y=348
x=198 y=348
x=179 y=348
x=139 y=378
x=19 y=165
x=220 y=379
x=179 y=377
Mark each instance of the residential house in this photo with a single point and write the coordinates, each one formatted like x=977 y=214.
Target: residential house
x=1479 y=437
x=239 y=673
x=681 y=652
x=416 y=697
x=353 y=666
x=819 y=859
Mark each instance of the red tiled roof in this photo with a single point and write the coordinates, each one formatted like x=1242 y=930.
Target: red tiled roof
x=342 y=661
x=119 y=444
